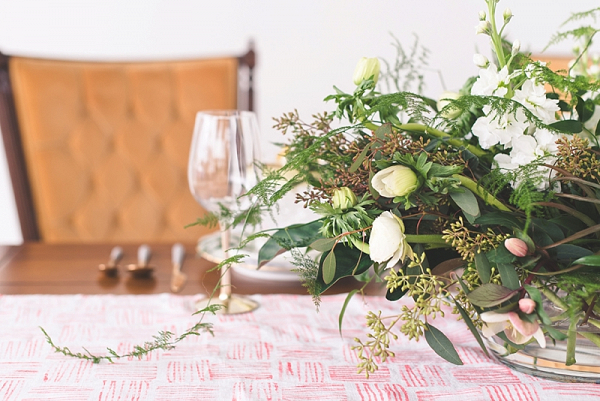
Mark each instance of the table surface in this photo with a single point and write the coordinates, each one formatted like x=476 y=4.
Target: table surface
x=285 y=350
x=41 y=268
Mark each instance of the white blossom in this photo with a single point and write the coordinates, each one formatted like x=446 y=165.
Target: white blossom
x=533 y=96
x=493 y=129
x=387 y=243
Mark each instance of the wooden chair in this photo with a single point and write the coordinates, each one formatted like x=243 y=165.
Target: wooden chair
x=98 y=151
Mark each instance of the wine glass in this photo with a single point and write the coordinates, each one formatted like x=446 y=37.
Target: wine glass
x=222 y=167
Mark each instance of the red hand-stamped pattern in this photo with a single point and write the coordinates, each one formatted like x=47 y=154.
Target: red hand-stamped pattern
x=285 y=350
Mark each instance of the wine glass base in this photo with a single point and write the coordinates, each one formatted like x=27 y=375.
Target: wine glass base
x=234 y=305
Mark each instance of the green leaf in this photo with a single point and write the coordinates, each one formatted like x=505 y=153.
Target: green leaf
x=297 y=235
x=552 y=332
x=350 y=262
x=329 y=267
x=488 y=295
x=395 y=295
x=568 y=126
x=471 y=326
x=483 y=267
x=509 y=275
x=323 y=244
x=383 y=130
x=551 y=229
x=570 y=252
x=361 y=158
x=536 y=296
x=502 y=219
x=466 y=200
x=344 y=306
x=441 y=345
x=590 y=260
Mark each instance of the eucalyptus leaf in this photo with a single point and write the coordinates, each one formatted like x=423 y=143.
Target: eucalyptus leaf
x=350 y=262
x=466 y=200
x=329 y=265
x=294 y=236
x=441 y=345
x=509 y=275
x=360 y=159
x=323 y=244
x=383 y=131
x=471 y=326
x=488 y=295
x=483 y=267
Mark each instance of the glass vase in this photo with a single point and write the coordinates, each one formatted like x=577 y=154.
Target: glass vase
x=549 y=362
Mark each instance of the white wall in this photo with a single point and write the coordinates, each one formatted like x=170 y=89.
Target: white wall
x=304 y=47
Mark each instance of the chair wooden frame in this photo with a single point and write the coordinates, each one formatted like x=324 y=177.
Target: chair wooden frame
x=13 y=145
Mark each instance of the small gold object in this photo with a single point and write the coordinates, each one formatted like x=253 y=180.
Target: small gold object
x=178 y=278
x=142 y=268
x=111 y=268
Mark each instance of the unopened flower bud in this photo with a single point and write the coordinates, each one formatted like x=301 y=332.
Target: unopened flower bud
x=444 y=100
x=365 y=69
x=395 y=181
x=481 y=61
x=507 y=15
x=516 y=47
x=482 y=15
x=516 y=246
x=483 y=27
x=343 y=198
x=526 y=305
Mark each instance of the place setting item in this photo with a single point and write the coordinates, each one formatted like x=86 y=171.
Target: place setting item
x=222 y=167
x=178 y=278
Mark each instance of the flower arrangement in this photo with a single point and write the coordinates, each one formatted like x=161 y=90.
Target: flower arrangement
x=487 y=200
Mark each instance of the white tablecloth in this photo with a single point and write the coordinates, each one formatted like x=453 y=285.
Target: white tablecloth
x=285 y=350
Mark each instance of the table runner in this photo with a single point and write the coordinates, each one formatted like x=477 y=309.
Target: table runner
x=285 y=350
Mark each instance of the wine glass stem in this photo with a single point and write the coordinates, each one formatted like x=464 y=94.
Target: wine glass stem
x=225 y=290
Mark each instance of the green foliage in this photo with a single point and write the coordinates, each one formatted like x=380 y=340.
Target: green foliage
x=164 y=340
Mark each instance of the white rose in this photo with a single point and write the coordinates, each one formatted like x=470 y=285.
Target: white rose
x=387 y=243
x=395 y=181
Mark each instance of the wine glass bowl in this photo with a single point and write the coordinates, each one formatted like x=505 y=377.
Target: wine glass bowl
x=222 y=168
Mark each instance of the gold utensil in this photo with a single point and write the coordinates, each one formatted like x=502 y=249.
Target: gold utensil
x=178 y=278
x=111 y=268
x=142 y=268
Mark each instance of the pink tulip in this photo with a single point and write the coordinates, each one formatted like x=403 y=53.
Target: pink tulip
x=516 y=246
x=526 y=305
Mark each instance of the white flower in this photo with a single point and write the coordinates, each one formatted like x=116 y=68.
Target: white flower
x=365 y=69
x=493 y=129
x=387 y=243
x=395 y=181
x=483 y=27
x=516 y=46
x=546 y=142
x=533 y=96
x=343 y=198
x=517 y=330
x=480 y=60
x=491 y=82
x=507 y=15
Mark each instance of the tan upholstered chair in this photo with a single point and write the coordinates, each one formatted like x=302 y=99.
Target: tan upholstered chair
x=98 y=151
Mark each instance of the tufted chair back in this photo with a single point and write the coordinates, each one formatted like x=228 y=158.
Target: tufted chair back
x=98 y=151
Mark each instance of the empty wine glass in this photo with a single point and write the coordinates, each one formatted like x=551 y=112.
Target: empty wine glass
x=222 y=167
